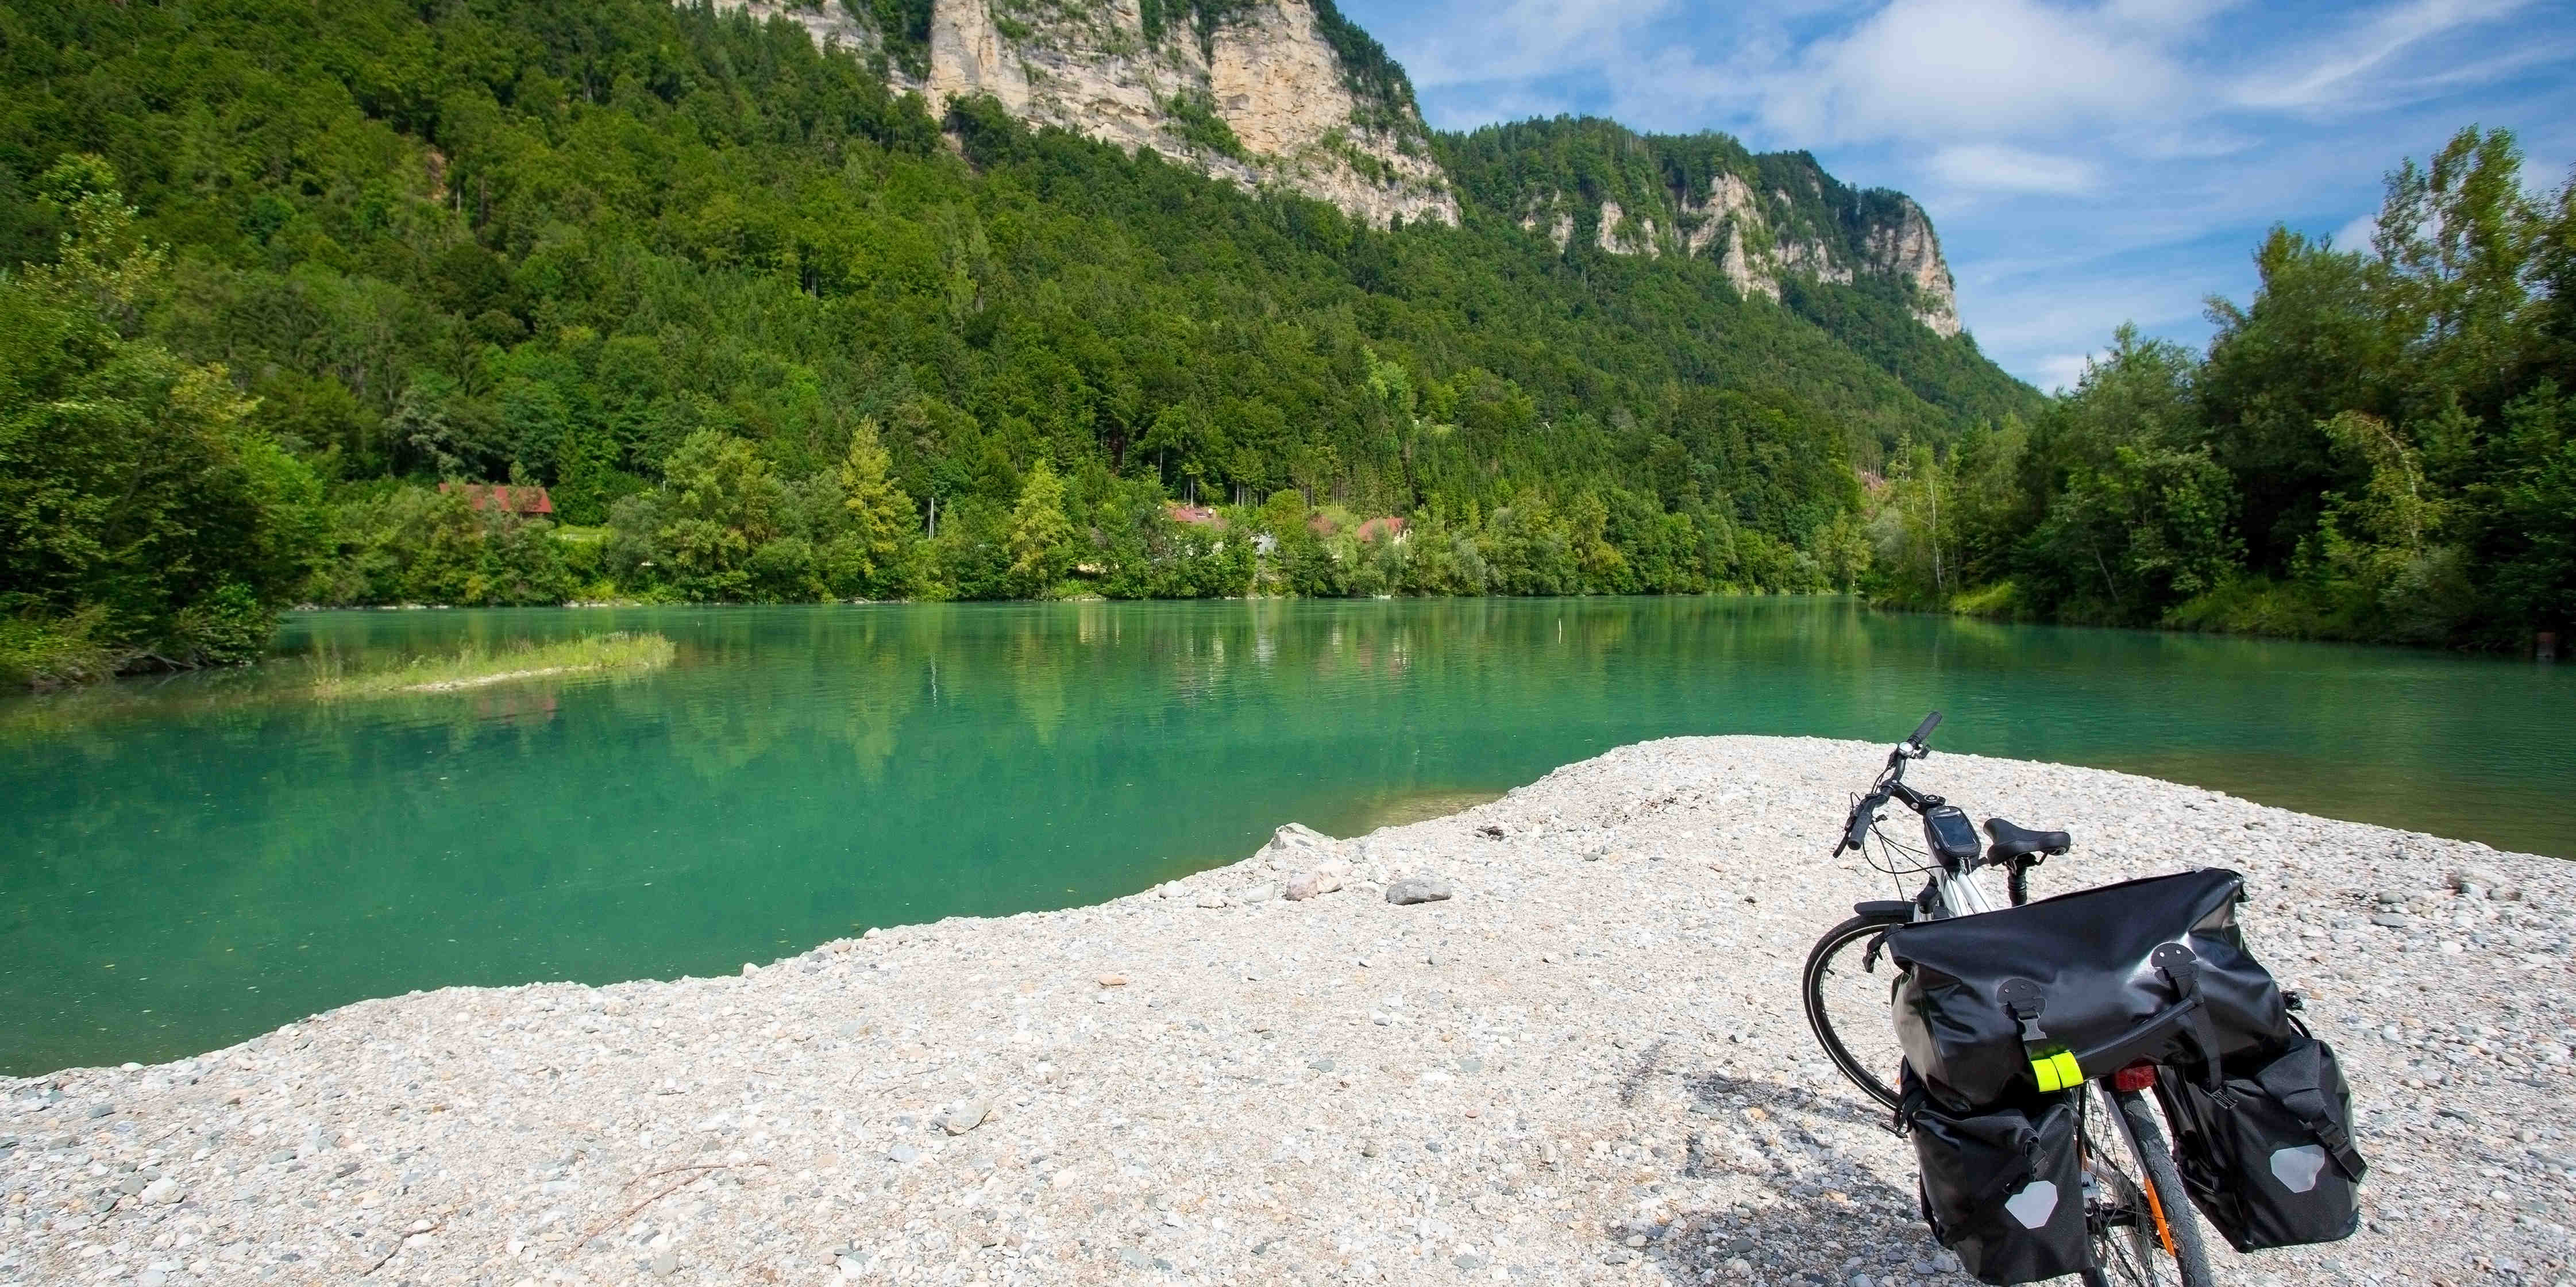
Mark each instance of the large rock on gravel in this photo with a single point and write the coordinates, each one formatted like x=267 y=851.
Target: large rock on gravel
x=1297 y=837
x=1417 y=889
x=1313 y=882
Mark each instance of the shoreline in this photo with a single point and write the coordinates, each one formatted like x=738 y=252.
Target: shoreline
x=1586 y=1066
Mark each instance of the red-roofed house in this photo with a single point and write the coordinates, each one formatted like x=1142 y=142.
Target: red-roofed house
x=1389 y=528
x=1194 y=515
x=517 y=500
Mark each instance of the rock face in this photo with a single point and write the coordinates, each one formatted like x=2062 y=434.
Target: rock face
x=1260 y=97
x=1760 y=240
x=1264 y=97
x=1908 y=248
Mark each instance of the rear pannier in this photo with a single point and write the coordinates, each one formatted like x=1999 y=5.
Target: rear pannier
x=2002 y=1188
x=2043 y=996
x=2268 y=1155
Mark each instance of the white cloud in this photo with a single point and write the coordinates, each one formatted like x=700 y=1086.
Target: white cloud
x=2058 y=372
x=1529 y=38
x=1979 y=69
x=2338 y=70
x=1994 y=167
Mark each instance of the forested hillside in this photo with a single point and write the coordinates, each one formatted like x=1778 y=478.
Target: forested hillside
x=2379 y=445
x=768 y=331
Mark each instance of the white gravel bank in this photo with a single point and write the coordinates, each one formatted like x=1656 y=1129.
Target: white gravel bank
x=1587 y=1066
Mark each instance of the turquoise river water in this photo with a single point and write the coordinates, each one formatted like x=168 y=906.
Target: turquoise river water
x=186 y=863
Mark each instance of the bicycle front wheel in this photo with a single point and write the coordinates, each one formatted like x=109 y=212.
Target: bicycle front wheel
x=2144 y=1231
x=1848 y=984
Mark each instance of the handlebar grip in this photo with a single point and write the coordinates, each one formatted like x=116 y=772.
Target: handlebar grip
x=1862 y=816
x=1924 y=729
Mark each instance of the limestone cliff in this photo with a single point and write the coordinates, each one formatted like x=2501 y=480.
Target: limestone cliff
x=1907 y=248
x=1286 y=94
x=1256 y=94
x=1765 y=220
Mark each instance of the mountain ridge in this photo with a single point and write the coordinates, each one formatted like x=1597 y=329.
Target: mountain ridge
x=1268 y=95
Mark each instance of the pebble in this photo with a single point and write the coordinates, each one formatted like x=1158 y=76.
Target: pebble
x=966 y=1115
x=1512 y=1088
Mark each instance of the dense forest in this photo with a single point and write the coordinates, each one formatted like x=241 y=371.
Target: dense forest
x=768 y=332
x=2380 y=445
x=272 y=273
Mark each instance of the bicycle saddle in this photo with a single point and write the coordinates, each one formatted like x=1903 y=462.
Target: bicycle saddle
x=2013 y=842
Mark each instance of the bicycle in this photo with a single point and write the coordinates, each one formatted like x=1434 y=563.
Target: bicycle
x=2143 y=1229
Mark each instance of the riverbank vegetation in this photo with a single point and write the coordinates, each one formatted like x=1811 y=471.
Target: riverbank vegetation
x=766 y=332
x=2379 y=445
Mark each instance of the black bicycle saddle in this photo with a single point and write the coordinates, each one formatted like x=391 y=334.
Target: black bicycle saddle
x=2013 y=842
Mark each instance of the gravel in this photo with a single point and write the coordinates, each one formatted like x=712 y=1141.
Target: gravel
x=1587 y=1065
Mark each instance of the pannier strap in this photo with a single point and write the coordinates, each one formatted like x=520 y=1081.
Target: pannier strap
x=2057 y=1071
x=2183 y=968
x=2146 y=1039
x=2307 y=1101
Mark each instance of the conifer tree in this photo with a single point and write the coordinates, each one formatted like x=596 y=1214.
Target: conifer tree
x=881 y=515
x=1041 y=536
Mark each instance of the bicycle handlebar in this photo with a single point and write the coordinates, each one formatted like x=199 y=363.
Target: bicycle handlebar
x=1856 y=827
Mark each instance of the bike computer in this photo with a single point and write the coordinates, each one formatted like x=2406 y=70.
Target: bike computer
x=1951 y=836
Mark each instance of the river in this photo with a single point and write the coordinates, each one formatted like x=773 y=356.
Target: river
x=188 y=863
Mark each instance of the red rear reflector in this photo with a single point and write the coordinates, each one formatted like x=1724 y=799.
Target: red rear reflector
x=2134 y=1077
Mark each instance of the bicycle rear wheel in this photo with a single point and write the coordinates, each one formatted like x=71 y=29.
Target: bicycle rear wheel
x=2144 y=1231
x=1847 y=988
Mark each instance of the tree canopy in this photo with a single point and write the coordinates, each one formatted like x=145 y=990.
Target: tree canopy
x=2376 y=446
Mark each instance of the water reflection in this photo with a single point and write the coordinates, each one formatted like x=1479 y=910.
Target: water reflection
x=196 y=860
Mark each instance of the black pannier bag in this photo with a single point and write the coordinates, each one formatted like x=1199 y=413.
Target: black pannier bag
x=2051 y=993
x=2269 y=1156
x=2002 y=1186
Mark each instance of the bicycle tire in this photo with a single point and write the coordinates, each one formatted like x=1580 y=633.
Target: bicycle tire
x=2175 y=1227
x=1817 y=991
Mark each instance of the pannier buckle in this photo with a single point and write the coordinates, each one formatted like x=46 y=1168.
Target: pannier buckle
x=2052 y=1065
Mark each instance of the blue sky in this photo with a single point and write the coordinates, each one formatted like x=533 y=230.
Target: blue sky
x=2085 y=163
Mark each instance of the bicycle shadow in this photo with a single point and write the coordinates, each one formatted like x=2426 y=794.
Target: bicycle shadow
x=1721 y=1091
x=1810 y=1221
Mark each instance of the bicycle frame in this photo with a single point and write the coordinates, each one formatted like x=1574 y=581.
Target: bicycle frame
x=1960 y=893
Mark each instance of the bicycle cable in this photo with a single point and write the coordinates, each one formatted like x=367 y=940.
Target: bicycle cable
x=1889 y=848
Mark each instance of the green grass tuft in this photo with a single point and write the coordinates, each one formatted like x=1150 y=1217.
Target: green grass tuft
x=473 y=667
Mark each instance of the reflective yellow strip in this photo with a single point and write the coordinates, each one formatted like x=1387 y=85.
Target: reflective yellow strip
x=2057 y=1071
